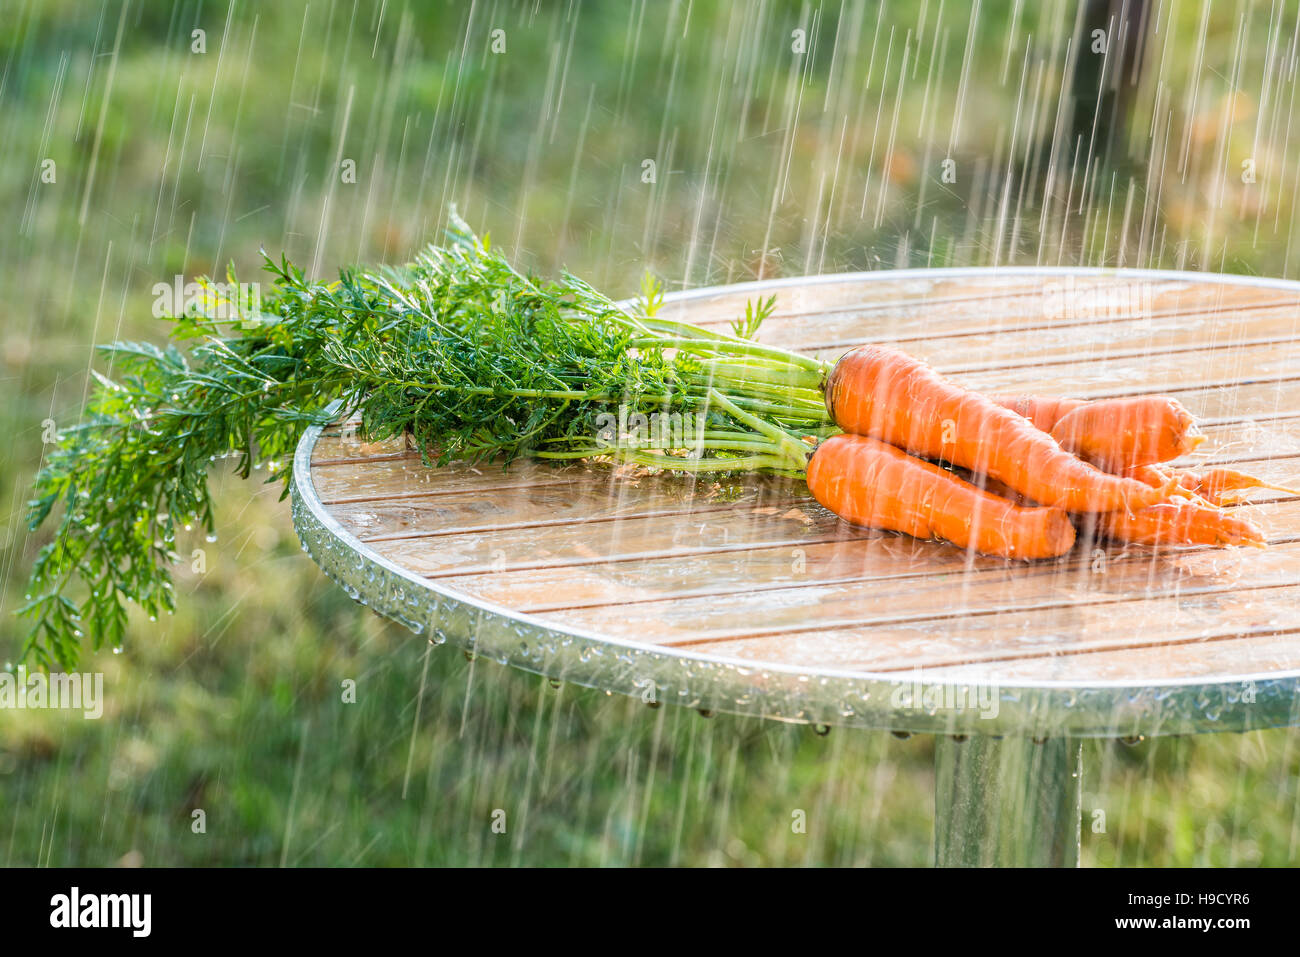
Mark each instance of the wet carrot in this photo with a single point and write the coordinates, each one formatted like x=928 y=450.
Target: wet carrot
x=1042 y=410
x=889 y=395
x=1218 y=486
x=1116 y=434
x=868 y=482
x=1180 y=521
x=1149 y=426
x=1221 y=485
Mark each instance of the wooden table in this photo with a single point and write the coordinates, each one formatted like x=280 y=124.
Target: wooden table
x=745 y=596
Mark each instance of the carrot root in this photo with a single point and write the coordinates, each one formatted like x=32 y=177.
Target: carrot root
x=1182 y=522
x=1279 y=488
x=871 y=483
x=1219 y=486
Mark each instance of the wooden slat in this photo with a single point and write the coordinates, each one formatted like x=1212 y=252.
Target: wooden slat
x=1025 y=641
x=626 y=540
x=909 y=324
x=1260 y=443
x=1011 y=348
x=935 y=300
x=1270 y=652
x=604 y=497
x=613 y=584
x=1260 y=401
x=931 y=596
x=346 y=446
x=727 y=573
x=831 y=295
x=1158 y=372
x=1016 y=636
x=408 y=477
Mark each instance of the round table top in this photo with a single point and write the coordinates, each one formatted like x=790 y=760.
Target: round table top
x=744 y=595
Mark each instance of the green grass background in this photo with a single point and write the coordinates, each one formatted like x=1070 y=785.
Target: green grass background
x=768 y=163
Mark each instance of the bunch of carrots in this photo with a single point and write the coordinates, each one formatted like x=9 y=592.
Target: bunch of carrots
x=1036 y=468
x=472 y=359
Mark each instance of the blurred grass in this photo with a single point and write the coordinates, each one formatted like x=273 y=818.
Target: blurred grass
x=169 y=161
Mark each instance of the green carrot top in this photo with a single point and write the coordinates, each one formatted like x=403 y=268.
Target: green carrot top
x=471 y=358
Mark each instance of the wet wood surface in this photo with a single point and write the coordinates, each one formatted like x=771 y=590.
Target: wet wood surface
x=752 y=568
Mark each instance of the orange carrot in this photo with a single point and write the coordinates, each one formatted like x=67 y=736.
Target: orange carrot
x=1108 y=432
x=1116 y=434
x=888 y=395
x=1181 y=521
x=1218 y=486
x=1042 y=410
x=868 y=482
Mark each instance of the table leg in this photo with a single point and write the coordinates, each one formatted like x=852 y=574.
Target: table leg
x=1007 y=802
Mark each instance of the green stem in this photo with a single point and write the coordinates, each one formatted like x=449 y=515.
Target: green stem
x=789 y=445
x=727 y=445
x=739 y=347
x=809 y=402
x=787 y=378
x=752 y=463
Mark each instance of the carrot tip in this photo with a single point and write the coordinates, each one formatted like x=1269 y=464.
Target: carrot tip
x=1170 y=488
x=1059 y=533
x=1280 y=488
x=1233 y=496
